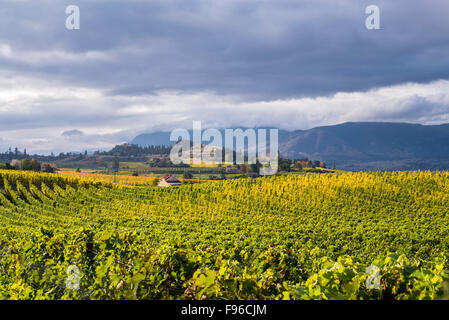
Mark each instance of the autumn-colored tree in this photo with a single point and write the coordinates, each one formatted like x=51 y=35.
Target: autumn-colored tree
x=35 y=165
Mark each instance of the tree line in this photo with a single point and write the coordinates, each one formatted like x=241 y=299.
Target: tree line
x=126 y=150
x=28 y=165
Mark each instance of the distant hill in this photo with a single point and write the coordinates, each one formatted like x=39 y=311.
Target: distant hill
x=361 y=145
x=373 y=145
x=163 y=138
x=369 y=141
x=153 y=139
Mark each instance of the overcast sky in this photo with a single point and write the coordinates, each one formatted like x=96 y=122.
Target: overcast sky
x=139 y=66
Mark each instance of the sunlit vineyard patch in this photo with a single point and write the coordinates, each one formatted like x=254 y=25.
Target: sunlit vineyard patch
x=312 y=236
x=117 y=178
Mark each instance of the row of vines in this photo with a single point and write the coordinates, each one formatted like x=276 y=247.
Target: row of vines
x=314 y=236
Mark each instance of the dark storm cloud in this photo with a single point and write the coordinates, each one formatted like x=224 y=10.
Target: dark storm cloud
x=139 y=66
x=257 y=49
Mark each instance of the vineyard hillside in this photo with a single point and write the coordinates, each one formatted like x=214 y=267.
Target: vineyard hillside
x=308 y=236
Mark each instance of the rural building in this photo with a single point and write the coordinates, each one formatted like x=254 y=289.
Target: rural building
x=169 y=181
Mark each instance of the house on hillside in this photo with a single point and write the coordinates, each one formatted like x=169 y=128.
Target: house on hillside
x=169 y=181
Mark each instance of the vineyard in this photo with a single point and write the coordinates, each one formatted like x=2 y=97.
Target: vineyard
x=117 y=178
x=312 y=236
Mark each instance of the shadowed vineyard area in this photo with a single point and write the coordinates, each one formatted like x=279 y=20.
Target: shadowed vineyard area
x=309 y=236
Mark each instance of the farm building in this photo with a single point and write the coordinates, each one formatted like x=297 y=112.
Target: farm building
x=169 y=181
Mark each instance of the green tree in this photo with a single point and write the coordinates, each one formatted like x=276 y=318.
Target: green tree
x=6 y=166
x=26 y=164
x=187 y=175
x=285 y=164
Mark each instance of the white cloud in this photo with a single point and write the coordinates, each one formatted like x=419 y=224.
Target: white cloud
x=34 y=112
x=52 y=57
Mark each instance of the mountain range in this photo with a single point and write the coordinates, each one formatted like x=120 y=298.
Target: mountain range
x=359 y=145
